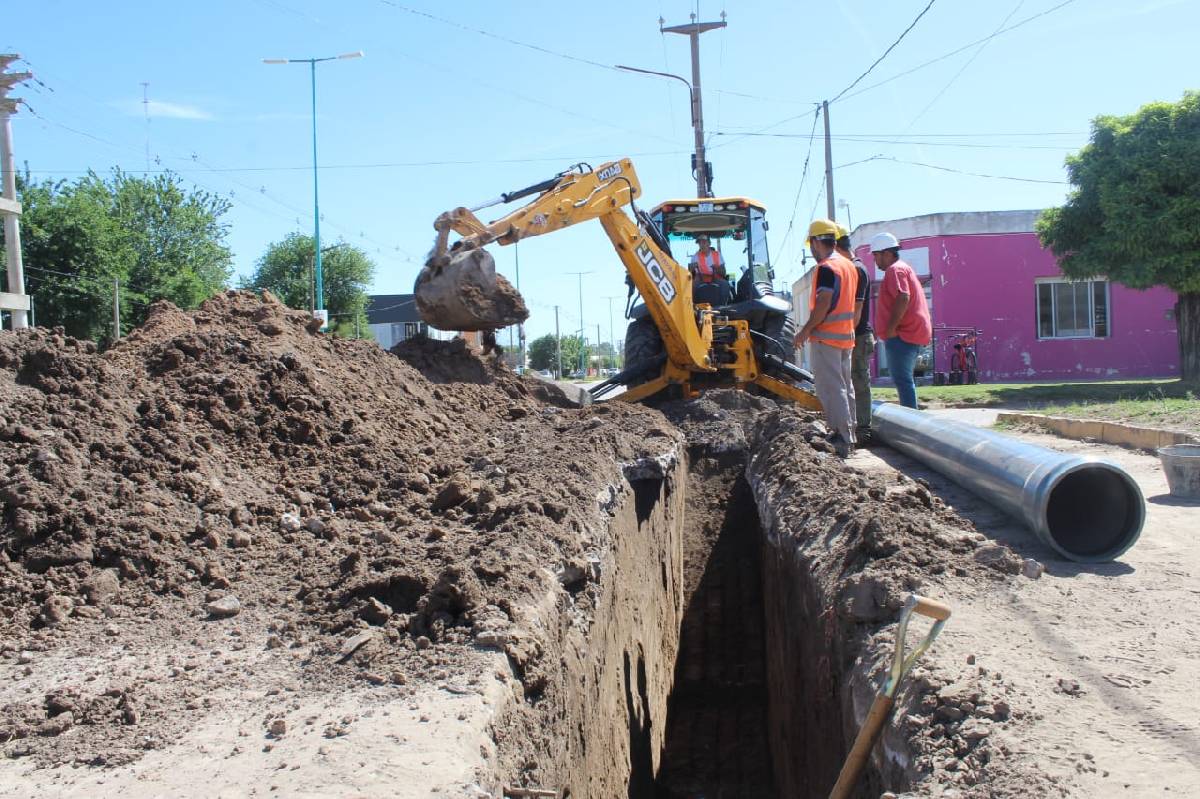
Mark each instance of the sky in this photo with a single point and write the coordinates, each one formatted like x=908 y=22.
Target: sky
x=454 y=103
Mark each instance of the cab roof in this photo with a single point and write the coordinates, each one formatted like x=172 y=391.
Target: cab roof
x=717 y=200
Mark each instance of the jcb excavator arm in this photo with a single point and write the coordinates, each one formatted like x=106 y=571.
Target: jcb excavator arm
x=458 y=289
x=570 y=198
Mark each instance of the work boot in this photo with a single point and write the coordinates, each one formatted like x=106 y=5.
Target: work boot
x=841 y=446
x=864 y=437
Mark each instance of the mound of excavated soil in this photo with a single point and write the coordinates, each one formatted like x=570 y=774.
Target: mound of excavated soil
x=383 y=505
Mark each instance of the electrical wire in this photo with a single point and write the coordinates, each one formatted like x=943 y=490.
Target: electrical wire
x=964 y=67
x=956 y=51
x=800 y=188
x=498 y=37
x=852 y=139
x=972 y=174
x=891 y=47
x=387 y=165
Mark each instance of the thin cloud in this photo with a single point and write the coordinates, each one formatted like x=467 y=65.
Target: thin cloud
x=159 y=109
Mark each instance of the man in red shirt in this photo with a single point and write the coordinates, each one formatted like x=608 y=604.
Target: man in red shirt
x=902 y=316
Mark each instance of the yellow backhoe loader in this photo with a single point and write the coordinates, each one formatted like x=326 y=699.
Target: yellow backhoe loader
x=682 y=337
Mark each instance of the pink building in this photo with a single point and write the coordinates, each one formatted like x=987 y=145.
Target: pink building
x=986 y=270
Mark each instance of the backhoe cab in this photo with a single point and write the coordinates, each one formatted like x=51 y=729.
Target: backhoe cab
x=736 y=227
x=731 y=334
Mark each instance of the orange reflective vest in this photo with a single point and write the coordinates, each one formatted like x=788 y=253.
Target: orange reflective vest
x=706 y=265
x=837 y=330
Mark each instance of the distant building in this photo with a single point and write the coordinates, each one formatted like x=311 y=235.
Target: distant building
x=987 y=270
x=393 y=318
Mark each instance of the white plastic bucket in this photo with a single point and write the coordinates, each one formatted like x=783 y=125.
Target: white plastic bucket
x=1181 y=463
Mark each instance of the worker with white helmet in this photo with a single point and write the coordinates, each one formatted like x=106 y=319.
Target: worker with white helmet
x=830 y=325
x=902 y=316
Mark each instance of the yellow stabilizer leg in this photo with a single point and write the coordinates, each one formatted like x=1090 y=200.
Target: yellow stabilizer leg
x=800 y=396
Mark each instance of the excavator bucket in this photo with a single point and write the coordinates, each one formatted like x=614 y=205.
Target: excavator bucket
x=461 y=291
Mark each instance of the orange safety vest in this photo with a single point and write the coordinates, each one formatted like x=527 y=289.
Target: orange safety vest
x=706 y=268
x=837 y=330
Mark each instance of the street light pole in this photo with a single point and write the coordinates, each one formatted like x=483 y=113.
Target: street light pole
x=612 y=339
x=582 y=348
x=693 y=31
x=319 y=273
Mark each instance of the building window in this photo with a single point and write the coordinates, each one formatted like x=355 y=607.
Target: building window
x=1070 y=309
x=410 y=330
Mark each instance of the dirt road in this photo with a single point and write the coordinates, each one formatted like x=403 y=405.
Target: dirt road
x=1109 y=654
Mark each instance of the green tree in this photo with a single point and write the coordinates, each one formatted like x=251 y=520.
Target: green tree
x=542 y=353
x=1134 y=212
x=160 y=240
x=286 y=271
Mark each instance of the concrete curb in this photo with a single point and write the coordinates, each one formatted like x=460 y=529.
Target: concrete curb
x=1123 y=435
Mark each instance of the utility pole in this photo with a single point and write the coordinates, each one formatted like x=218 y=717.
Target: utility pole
x=14 y=300
x=582 y=348
x=116 y=331
x=829 y=204
x=557 y=346
x=700 y=166
x=612 y=339
x=599 y=357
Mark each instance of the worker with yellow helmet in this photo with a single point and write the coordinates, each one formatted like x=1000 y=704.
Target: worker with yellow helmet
x=864 y=342
x=830 y=326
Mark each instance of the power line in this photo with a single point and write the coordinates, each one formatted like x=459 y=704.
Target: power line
x=955 y=52
x=389 y=165
x=497 y=36
x=929 y=63
x=891 y=47
x=865 y=140
x=734 y=131
x=803 y=176
x=972 y=174
x=964 y=67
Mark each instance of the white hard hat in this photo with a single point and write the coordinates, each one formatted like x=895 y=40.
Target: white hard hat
x=884 y=241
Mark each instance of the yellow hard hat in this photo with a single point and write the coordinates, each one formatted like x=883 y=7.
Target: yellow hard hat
x=842 y=233
x=823 y=227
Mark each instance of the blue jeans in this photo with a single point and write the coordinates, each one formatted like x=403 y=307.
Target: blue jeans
x=901 y=360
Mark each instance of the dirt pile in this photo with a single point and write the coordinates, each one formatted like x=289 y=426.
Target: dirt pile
x=389 y=510
x=864 y=542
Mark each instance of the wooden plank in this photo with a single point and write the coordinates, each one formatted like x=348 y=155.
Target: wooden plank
x=8 y=206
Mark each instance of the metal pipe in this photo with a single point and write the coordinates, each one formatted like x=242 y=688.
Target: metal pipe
x=1084 y=508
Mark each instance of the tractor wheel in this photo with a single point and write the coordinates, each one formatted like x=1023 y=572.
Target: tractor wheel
x=782 y=332
x=643 y=345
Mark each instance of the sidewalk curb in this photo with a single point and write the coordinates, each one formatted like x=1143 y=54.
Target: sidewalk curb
x=1122 y=435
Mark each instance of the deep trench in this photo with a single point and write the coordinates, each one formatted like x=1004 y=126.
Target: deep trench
x=742 y=694
x=716 y=742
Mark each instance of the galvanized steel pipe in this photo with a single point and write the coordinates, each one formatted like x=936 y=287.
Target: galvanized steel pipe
x=1086 y=509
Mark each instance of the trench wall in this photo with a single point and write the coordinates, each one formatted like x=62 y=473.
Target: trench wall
x=618 y=670
x=822 y=658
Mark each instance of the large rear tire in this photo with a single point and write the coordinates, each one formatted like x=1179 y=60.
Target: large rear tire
x=643 y=343
x=781 y=330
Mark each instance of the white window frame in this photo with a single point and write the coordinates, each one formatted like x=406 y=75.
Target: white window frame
x=1091 y=311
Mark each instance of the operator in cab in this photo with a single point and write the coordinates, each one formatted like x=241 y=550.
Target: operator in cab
x=706 y=265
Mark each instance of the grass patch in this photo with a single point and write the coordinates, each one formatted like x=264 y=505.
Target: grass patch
x=1171 y=413
x=1044 y=395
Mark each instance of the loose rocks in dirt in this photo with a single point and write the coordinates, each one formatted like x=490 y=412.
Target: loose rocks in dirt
x=232 y=465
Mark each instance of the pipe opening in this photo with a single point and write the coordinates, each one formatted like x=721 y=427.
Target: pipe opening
x=1094 y=512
